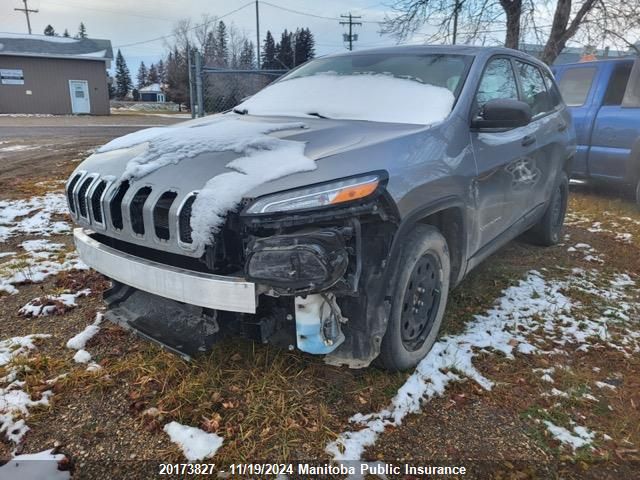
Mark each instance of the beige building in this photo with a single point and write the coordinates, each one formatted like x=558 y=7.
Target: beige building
x=54 y=75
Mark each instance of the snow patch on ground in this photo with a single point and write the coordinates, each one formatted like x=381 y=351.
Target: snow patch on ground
x=79 y=341
x=35 y=466
x=533 y=311
x=579 y=438
x=371 y=97
x=196 y=444
x=33 y=216
x=15 y=403
x=52 y=304
x=41 y=258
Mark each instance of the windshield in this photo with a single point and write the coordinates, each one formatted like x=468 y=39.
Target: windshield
x=399 y=88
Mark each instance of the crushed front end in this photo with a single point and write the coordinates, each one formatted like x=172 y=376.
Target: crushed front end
x=297 y=268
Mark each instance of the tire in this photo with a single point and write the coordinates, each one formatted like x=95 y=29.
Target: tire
x=638 y=193
x=548 y=230
x=413 y=327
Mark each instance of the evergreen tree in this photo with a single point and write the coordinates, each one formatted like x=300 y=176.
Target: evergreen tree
x=82 y=31
x=177 y=77
x=284 y=51
x=247 y=57
x=123 y=77
x=153 y=77
x=49 y=31
x=162 y=73
x=111 y=87
x=142 y=76
x=221 y=47
x=209 y=49
x=66 y=33
x=269 y=53
x=304 y=46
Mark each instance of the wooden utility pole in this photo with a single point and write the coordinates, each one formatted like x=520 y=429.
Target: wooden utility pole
x=26 y=12
x=350 y=37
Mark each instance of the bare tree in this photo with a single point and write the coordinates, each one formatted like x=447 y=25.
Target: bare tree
x=584 y=21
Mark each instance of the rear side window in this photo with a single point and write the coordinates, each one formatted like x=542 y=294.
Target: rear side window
x=552 y=88
x=498 y=81
x=534 y=90
x=617 y=84
x=575 y=85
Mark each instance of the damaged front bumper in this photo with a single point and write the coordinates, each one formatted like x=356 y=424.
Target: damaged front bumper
x=195 y=288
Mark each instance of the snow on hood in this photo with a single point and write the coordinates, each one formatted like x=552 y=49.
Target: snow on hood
x=373 y=97
x=263 y=158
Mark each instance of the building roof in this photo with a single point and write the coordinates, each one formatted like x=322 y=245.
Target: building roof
x=55 y=47
x=153 y=88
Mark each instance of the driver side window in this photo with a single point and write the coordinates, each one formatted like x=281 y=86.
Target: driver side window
x=498 y=81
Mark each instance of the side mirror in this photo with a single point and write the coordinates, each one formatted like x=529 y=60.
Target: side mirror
x=503 y=113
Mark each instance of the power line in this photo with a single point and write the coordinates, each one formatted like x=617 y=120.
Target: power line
x=107 y=10
x=26 y=11
x=164 y=37
x=307 y=14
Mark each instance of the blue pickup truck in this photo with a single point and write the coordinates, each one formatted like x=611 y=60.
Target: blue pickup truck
x=604 y=100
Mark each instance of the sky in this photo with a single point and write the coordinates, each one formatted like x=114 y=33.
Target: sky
x=127 y=22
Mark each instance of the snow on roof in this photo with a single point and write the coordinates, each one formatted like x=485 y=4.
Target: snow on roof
x=373 y=97
x=154 y=87
x=47 y=46
x=45 y=38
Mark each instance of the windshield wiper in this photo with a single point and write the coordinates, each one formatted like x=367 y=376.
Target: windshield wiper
x=316 y=114
x=243 y=111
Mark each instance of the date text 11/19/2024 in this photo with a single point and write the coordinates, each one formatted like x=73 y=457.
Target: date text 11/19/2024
x=349 y=468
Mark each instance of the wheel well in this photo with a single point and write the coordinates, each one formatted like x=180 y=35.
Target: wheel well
x=450 y=223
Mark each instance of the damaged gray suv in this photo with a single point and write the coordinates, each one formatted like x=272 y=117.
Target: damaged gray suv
x=334 y=209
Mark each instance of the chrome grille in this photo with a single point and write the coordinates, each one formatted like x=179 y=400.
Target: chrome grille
x=161 y=215
x=184 y=220
x=115 y=205
x=82 y=196
x=96 y=201
x=139 y=214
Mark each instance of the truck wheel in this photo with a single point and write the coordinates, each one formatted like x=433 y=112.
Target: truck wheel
x=548 y=229
x=419 y=299
x=638 y=193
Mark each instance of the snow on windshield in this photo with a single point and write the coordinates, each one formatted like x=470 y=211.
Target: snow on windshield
x=373 y=97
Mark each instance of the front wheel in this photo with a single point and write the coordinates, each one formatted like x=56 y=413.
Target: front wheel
x=549 y=228
x=419 y=299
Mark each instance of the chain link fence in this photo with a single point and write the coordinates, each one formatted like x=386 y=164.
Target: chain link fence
x=224 y=89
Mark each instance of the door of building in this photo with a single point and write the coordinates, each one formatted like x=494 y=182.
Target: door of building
x=79 y=90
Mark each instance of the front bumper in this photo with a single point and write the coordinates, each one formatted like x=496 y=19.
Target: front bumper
x=195 y=288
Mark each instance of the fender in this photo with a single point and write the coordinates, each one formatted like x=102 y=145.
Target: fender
x=410 y=221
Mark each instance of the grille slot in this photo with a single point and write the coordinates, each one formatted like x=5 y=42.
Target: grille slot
x=82 y=196
x=135 y=209
x=96 y=204
x=184 y=220
x=72 y=186
x=161 y=214
x=116 y=205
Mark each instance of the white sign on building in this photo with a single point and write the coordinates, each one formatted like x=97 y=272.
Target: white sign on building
x=11 y=77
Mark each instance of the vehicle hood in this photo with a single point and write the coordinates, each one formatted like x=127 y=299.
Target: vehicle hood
x=323 y=138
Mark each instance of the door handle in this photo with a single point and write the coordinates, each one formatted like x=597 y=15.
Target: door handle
x=562 y=127
x=528 y=140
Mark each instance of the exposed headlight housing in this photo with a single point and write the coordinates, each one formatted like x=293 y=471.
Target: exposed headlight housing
x=317 y=196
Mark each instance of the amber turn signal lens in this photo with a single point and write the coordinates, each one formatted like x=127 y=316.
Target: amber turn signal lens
x=353 y=193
